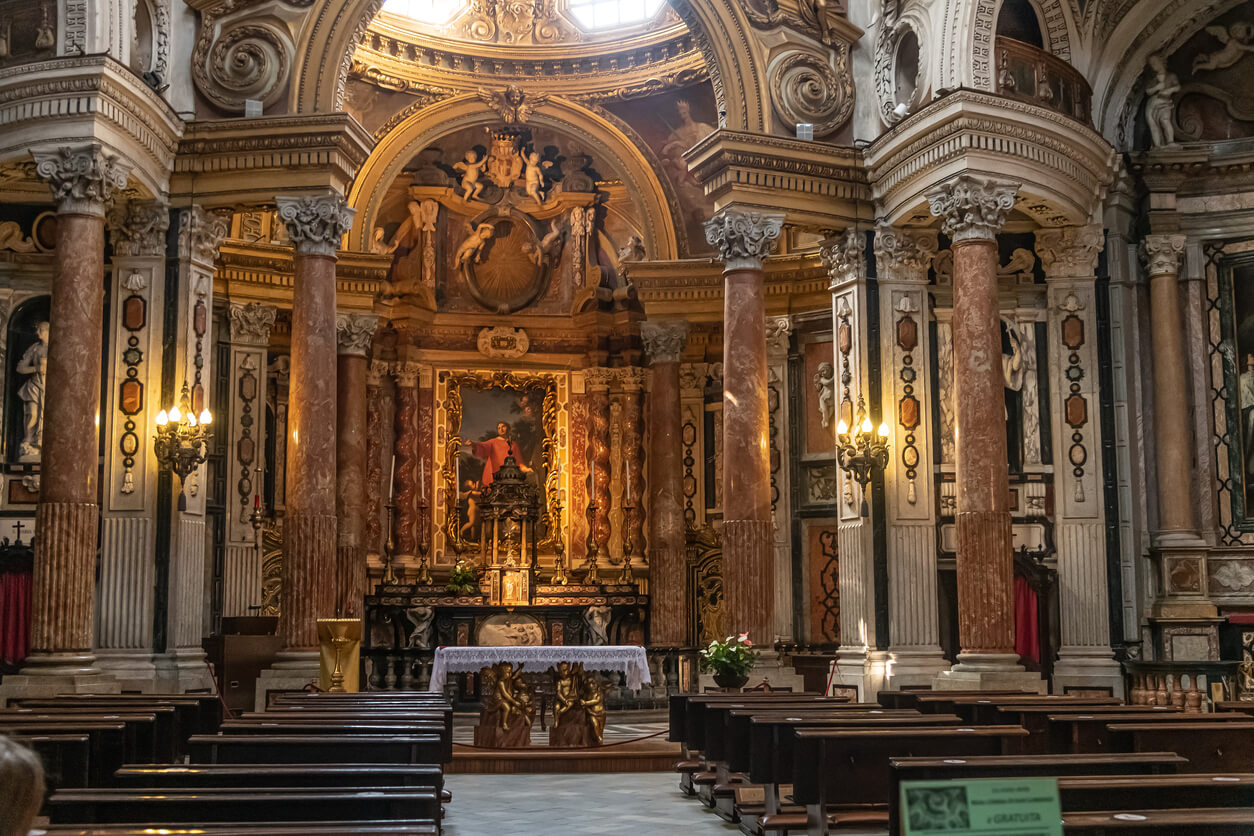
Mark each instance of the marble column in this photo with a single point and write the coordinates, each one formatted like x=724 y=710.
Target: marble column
x=972 y=212
x=631 y=378
x=778 y=349
x=744 y=239
x=1176 y=543
x=83 y=179
x=355 y=333
x=597 y=388
x=376 y=468
x=1069 y=256
x=315 y=224
x=664 y=344
x=902 y=259
x=249 y=327
x=407 y=453
x=124 y=636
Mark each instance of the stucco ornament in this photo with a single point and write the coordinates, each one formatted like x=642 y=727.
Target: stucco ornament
x=743 y=238
x=315 y=223
x=809 y=87
x=971 y=208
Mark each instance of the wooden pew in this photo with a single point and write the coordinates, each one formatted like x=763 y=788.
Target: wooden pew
x=1241 y=706
x=140 y=741
x=256 y=804
x=1023 y=766
x=66 y=758
x=360 y=726
x=678 y=707
x=201 y=712
x=1080 y=732
x=106 y=743
x=1034 y=719
x=167 y=742
x=359 y=828
x=294 y=748
x=983 y=710
x=833 y=767
x=1210 y=747
x=910 y=698
x=1226 y=821
x=226 y=775
x=1147 y=792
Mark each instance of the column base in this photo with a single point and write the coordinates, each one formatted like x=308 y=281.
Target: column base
x=184 y=669
x=858 y=669
x=1081 y=667
x=293 y=670
x=134 y=670
x=1183 y=577
x=913 y=667
x=40 y=680
x=989 y=672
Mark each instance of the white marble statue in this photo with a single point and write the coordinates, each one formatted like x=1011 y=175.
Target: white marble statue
x=34 y=363
x=421 y=618
x=598 y=620
x=825 y=385
x=533 y=175
x=1237 y=40
x=471 y=170
x=1160 y=103
x=472 y=247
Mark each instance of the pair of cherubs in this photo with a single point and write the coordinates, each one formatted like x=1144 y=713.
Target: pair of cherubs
x=513 y=696
x=533 y=174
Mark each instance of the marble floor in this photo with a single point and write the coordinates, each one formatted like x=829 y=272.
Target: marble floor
x=635 y=804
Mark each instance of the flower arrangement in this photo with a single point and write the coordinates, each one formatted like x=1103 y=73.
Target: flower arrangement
x=463 y=580
x=732 y=658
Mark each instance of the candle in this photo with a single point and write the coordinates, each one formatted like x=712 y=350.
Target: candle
x=392 y=479
x=422 y=477
x=629 y=488
x=256 y=502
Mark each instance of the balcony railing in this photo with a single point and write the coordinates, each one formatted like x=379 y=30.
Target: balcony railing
x=1031 y=74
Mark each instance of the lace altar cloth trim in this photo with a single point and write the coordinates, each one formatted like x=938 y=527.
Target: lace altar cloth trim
x=630 y=660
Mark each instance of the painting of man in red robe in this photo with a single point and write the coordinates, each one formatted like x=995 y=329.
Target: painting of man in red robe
x=494 y=451
x=498 y=423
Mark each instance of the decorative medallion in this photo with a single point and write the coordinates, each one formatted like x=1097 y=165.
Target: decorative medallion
x=503 y=342
x=502 y=261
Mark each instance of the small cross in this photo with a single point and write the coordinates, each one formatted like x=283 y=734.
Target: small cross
x=17 y=527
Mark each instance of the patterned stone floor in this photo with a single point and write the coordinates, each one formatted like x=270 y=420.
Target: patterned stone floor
x=641 y=804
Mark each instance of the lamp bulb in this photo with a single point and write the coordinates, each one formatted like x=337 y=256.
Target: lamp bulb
x=883 y=430
x=191 y=419
x=205 y=417
x=841 y=427
x=866 y=425
x=175 y=415
x=162 y=418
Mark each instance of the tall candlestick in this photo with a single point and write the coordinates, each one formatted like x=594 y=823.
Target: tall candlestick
x=392 y=479
x=627 y=473
x=422 y=477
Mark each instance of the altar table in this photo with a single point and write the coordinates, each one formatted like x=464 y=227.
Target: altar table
x=629 y=659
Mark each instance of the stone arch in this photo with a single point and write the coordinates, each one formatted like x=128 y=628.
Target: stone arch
x=971 y=26
x=602 y=138
x=334 y=28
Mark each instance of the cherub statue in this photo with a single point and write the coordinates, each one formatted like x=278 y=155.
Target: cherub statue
x=534 y=175
x=420 y=617
x=1237 y=40
x=379 y=245
x=472 y=168
x=824 y=384
x=633 y=250
x=472 y=247
x=565 y=692
x=550 y=246
x=509 y=686
x=592 y=698
x=1160 y=103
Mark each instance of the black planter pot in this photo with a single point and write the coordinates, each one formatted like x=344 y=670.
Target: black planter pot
x=731 y=680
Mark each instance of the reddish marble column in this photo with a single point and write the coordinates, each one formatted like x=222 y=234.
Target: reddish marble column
x=315 y=225
x=668 y=621
x=406 y=534
x=82 y=179
x=355 y=332
x=1172 y=426
x=972 y=212
x=597 y=382
x=745 y=239
x=633 y=464
x=374 y=457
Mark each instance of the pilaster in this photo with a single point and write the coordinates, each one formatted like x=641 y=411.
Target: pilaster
x=778 y=345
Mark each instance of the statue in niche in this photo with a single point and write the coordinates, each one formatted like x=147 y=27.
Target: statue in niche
x=34 y=362
x=533 y=174
x=1237 y=40
x=421 y=618
x=633 y=250
x=598 y=620
x=825 y=385
x=471 y=170
x=1160 y=103
x=1014 y=365
x=550 y=246
x=472 y=247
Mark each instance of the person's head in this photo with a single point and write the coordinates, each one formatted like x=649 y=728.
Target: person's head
x=502 y=429
x=21 y=788
x=683 y=108
x=41 y=331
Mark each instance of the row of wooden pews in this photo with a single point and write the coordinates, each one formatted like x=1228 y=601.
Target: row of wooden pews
x=311 y=764
x=781 y=762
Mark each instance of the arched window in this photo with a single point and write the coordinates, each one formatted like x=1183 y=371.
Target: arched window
x=434 y=12
x=608 y=14
x=1018 y=19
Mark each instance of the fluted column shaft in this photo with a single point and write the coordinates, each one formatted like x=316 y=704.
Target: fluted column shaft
x=744 y=239
x=355 y=334
x=668 y=623
x=315 y=225
x=63 y=589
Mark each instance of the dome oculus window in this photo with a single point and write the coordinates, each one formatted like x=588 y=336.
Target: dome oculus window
x=434 y=12
x=608 y=14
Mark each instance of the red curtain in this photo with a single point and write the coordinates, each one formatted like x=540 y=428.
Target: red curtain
x=14 y=616
x=1027 y=635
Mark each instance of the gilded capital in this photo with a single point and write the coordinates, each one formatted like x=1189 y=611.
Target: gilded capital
x=251 y=323
x=1161 y=254
x=83 y=178
x=744 y=239
x=971 y=208
x=200 y=233
x=1070 y=252
x=354 y=333
x=665 y=340
x=598 y=378
x=903 y=255
x=315 y=223
x=845 y=256
x=406 y=374
x=138 y=228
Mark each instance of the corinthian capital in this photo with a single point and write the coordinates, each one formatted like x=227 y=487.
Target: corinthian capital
x=200 y=233
x=251 y=323
x=1161 y=254
x=355 y=332
x=315 y=223
x=744 y=239
x=903 y=255
x=664 y=341
x=138 y=228
x=83 y=178
x=1069 y=252
x=845 y=257
x=972 y=209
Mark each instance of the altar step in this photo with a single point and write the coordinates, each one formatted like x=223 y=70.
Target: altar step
x=630 y=746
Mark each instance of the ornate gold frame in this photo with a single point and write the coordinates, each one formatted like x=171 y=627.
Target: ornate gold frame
x=518 y=382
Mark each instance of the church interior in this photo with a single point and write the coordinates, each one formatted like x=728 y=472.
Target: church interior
x=815 y=407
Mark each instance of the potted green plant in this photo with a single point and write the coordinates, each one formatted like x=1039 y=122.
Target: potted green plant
x=730 y=660
x=463 y=580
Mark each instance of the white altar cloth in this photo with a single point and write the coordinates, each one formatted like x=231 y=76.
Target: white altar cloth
x=538 y=658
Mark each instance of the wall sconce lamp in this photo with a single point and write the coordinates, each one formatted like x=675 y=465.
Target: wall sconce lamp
x=859 y=451
x=181 y=439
